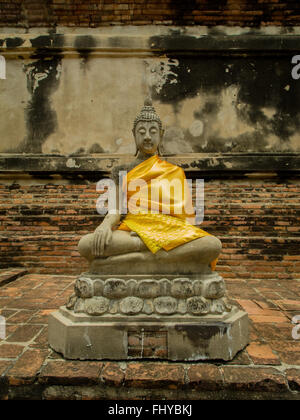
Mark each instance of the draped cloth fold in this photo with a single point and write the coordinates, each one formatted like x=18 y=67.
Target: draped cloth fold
x=160 y=208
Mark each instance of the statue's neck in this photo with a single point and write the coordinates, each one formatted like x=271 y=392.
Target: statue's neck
x=142 y=156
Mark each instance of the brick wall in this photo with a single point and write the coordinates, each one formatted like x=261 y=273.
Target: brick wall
x=31 y=13
x=257 y=221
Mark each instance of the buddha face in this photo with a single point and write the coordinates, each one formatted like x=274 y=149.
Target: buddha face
x=147 y=136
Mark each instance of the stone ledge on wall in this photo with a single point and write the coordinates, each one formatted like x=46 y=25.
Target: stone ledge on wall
x=190 y=162
x=140 y=40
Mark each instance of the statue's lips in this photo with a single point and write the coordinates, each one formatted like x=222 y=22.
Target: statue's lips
x=147 y=145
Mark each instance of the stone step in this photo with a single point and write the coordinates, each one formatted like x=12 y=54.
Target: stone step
x=8 y=275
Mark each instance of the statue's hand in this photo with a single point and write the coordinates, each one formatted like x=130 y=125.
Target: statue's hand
x=102 y=237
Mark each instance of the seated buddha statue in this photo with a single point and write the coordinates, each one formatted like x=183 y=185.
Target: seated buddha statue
x=159 y=241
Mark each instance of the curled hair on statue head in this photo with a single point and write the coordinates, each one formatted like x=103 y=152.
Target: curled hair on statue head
x=147 y=113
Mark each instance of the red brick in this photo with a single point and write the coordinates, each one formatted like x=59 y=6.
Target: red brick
x=154 y=375
x=160 y=353
x=21 y=317
x=71 y=373
x=136 y=352
x=288 y=351
x=205 y=377
x=7 y=313
x=252 y=308
x=271 y=332
x=10 y=329
x=88 y=13
x=10 y=351
x=250 y=379
x=262 y=354
x=41 y=317
x=277 y=318
x=293 y=377
x=26 y=369
x=24 y=333
x=4 y=365
x=10 y=291
x=288 y=304
x=32 y=303
x=112 y=374
x=134 y=340
x=8 y=275
x=41 y=340
x=153 y=341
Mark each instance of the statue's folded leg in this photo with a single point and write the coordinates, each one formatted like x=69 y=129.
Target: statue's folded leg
x=192 y=257
x=203 y=250
x=121 y=243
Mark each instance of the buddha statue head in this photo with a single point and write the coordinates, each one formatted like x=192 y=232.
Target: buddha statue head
x=147 y=130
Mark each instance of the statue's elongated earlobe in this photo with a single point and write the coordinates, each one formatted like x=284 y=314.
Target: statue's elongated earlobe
x=136 y=148
x=160 y=148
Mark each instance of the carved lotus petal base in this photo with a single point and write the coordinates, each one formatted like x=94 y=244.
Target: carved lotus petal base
x=127 y=295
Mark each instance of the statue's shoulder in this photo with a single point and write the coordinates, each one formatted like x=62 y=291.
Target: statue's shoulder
x=115 y=172
x=172 y=166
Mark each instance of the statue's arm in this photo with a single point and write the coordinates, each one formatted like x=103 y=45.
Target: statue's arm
x=103 y=233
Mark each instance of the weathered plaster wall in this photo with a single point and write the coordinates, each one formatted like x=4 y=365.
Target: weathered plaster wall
x=215 y=90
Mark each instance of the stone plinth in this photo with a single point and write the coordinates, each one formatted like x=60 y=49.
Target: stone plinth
x=126 y=317
x=80 y=336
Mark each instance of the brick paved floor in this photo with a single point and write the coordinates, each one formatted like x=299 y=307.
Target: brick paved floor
x=30 y=369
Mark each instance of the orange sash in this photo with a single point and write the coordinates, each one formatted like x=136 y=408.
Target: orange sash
x=160 y=208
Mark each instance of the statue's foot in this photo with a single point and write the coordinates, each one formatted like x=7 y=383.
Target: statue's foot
x=122 y=242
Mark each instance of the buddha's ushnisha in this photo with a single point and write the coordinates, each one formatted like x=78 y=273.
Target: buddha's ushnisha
x=159 y=236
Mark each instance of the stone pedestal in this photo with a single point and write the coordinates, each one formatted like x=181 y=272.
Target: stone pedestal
x=126 y=317
x=79 y=336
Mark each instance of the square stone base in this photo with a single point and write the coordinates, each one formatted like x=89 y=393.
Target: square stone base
x=84 y=337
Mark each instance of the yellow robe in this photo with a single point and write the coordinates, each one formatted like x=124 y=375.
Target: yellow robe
x=160 y=215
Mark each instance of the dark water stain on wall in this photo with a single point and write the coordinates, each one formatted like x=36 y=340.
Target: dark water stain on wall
x=44 y=41
x=42 y=80
x=84 y=44
x=14 y=42
x=261 y=81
